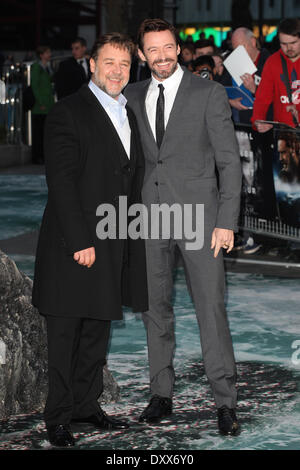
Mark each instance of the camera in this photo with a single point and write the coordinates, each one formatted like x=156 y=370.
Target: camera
x=205 y=73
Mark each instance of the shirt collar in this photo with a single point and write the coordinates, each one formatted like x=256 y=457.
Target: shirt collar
x=117 y=107
x=169 y=82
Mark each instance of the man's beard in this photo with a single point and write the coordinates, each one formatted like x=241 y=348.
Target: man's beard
x=292 y=54
x=163 y=74
x=103 y=87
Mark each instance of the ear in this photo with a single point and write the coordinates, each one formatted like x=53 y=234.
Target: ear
x=92 y=65
x=141 y=55
x=254 y=41
x=178 y=49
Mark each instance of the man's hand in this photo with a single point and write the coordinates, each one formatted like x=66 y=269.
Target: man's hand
x=248 y=82
x=262 y=128
x=85 y=257
x=236 y=103
x=291 y=108
x=222 y=238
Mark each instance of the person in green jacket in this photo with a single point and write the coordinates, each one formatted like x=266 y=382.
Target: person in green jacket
x=41 y=77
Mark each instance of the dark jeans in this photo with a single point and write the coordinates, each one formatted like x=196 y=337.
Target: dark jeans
x=77 y=350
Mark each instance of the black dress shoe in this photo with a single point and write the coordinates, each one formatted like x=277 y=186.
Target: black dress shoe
x=60 y=435
x=158 y=408
x=102 y=421
x=227 y=421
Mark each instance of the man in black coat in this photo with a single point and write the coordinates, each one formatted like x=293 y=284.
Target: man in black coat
x=82 y=278
x=73 y=72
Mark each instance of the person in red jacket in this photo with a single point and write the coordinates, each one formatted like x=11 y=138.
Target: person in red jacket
x=272 y=89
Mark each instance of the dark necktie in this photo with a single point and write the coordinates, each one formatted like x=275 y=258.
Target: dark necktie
x=160 y=116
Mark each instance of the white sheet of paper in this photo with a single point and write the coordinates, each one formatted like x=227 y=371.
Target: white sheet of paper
x=238 y=63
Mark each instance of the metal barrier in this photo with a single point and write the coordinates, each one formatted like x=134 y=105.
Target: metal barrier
x=15 y=124
x=271 y=182
x=11 y=113
x=270 y=228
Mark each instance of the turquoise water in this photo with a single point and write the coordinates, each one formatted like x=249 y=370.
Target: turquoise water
x=22 y=200
x=264 y=318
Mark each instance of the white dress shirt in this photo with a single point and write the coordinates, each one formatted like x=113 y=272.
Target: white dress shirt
x=117 y=113
x=171 y=86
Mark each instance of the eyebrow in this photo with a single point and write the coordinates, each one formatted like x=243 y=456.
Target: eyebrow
x=291 y=42
x=165 y=45
x=112 y=58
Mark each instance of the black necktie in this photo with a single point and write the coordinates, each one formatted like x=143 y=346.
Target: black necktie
x=160 y=116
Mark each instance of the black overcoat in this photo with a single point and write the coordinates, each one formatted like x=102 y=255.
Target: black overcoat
x=86 y=165
x=69 y=77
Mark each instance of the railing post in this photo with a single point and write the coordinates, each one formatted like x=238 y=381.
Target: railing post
x=28 y=114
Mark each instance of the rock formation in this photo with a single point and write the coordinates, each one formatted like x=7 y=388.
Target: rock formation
x=23 y=347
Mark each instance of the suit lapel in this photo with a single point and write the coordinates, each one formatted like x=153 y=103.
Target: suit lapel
x=101 y=115
x=178 y=105
x=133 y=136
x=142 y=101
x=176 y=111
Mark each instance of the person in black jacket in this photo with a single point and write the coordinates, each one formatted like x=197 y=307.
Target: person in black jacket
x=93 y=156
x=73 y=72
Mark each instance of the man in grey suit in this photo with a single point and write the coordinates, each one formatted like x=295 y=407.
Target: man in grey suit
x=187 y=132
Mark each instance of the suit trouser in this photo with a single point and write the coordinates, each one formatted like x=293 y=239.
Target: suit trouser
x=77 y=350
x=206 y=280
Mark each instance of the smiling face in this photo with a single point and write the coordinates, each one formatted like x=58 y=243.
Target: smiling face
x=111 y=70
x=161 y=53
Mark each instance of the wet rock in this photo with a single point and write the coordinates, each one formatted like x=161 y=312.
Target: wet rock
x=23 y=347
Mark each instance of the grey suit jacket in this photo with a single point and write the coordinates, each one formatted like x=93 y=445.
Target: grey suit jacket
x=198 y=139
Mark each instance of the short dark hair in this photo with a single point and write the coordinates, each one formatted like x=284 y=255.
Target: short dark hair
x=188 y=45
x=204 y=60
x=82 y=41
x=119 y=40
x=201 y=43
x=153 y=25
x=41 y=49
x=290 y=26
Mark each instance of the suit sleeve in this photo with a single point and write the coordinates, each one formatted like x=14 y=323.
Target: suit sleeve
x=62 y=162
x=135 y=196
x=223 y=140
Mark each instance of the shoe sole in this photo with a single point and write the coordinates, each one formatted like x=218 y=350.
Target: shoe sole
x=254 y=250
x=234 y=432
x=155 y=420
